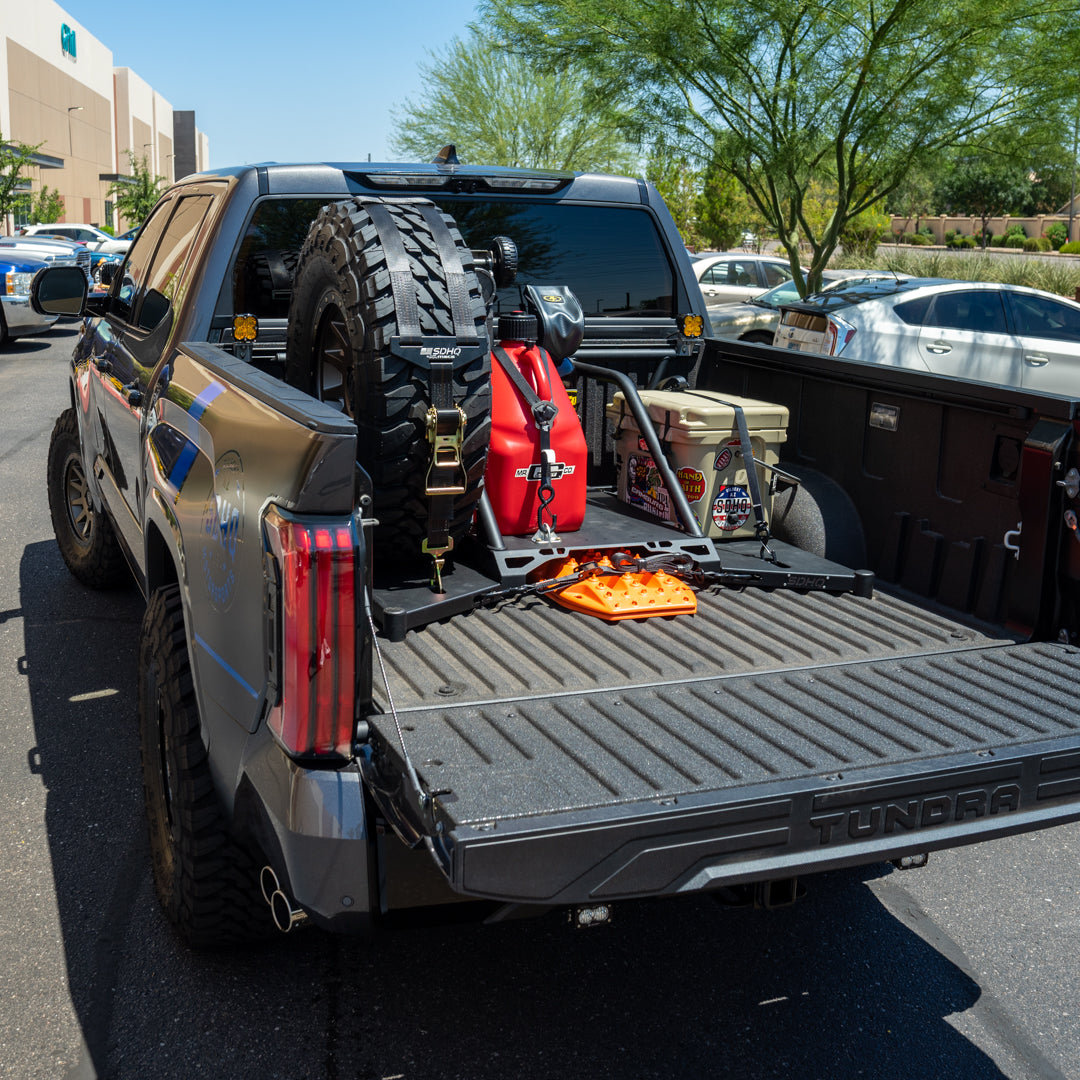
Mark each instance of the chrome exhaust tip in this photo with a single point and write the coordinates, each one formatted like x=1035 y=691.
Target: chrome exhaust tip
x=285 y=916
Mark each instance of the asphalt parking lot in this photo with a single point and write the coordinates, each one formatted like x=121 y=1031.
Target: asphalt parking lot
x=966 y=968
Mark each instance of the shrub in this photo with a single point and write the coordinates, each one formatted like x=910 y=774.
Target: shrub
x=919 y=239
x=925 y=230
x=861 y=238
x=998 y=240
x=1014 y=241
x=1036 y=243
x=1015 y=229
x=1070 y=248
x=1056 y=233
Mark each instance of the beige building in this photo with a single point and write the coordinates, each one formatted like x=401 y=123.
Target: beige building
x=64 y=93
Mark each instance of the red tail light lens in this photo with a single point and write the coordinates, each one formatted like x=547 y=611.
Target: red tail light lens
x=316 y=657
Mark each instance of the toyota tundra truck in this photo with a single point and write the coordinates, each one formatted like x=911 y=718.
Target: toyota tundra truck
x=365 y=692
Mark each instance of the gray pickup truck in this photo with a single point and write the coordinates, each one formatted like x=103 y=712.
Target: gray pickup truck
x=357 y=697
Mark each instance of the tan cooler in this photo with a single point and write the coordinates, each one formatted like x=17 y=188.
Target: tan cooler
x=701 y=438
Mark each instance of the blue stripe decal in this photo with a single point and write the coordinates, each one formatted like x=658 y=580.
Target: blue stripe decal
x=200 y=404
x=227 y=667
x=183 y=465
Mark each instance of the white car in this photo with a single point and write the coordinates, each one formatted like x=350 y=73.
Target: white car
x=90 y=235
x=978 y=330
x=737 y=276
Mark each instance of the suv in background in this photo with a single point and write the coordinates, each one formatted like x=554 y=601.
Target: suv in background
x=90 y=235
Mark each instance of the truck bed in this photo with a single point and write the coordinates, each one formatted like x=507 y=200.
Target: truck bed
x=773 y=732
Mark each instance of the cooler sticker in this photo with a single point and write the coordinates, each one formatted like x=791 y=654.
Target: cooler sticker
x=223 y=530
x=723 y=459
x=559 y=469
x=642 y=444
x=693 y=483
x=731 y=508
x=644 y=487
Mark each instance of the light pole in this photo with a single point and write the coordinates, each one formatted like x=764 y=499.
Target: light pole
x=71 y=109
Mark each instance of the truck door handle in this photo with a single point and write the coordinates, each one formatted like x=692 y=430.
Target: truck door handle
x=1036 y=359
x=103 y=364
x=939 y=347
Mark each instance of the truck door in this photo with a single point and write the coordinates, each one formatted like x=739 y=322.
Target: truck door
x=130 y=341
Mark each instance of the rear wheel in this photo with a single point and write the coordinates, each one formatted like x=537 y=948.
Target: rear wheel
x=341 y=322
x=84 y=535
x=206 y=881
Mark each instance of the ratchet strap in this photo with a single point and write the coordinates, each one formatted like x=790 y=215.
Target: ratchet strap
x=544 y=413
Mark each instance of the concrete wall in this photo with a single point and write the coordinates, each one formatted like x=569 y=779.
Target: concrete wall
x=940 y=224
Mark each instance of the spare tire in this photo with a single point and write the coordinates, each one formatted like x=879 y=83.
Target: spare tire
x=342 y=318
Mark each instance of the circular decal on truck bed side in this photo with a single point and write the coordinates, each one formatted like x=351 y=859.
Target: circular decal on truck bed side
x=731 y=508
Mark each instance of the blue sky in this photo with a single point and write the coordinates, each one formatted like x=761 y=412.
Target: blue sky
x=307 y=80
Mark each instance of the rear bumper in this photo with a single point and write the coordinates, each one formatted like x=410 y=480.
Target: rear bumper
x=772 y=831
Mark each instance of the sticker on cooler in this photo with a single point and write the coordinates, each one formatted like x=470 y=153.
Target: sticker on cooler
x=731 y=508
x=693 y=483
x=644 y=487
x=724 y=458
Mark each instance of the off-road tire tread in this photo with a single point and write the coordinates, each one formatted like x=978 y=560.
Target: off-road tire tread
x=343 y=249
x=206 y=881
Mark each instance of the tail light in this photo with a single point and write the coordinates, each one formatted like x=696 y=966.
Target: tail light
x=314 y=641
x=837 y=334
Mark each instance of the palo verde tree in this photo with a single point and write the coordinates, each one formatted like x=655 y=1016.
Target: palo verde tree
x=848 y=93
x=136 y=195
x=501 y=109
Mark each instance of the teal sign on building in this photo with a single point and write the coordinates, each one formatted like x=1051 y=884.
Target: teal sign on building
x=67 y=40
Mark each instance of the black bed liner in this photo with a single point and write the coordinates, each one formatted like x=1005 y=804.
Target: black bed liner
x=772 y=733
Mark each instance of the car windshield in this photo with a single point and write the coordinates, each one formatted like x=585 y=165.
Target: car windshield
x=781 y=294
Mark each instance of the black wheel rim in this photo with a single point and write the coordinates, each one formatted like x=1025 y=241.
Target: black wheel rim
x=333 y=362
x=77 y=500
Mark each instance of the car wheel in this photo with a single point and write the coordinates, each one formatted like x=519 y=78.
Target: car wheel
x=206 y=882
x=84 y=535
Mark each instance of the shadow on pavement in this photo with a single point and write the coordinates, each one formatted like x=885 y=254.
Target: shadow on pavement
x=834 y=987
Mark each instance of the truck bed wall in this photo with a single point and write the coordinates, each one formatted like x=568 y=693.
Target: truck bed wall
x=936 y=496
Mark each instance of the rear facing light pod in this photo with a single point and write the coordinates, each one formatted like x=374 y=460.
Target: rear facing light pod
x=314 y=641
x=837 y=335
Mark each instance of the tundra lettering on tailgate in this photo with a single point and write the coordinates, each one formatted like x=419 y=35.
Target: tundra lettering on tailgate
x=858 y=815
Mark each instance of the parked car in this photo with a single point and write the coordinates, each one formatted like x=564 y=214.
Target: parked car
x=979 y=330
x=53 y=252
x=94 y=238
x=735 y=277
x=17 y=318
x=98 y=259
x=756 y=319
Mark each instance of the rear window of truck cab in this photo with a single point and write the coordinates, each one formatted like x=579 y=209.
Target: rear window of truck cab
x=612 y=258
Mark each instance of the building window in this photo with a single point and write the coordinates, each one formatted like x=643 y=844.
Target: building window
x=21 y=210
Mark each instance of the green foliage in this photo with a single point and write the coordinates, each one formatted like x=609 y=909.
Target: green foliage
x=724 y=212
x=680 y=188
x=1061 y=277
x=15 y=159
x=998 y=240
x=1036 y=243
x=1015 y=229
x=1057 y=233
x=1014 y=241
x=48 y=206
x=1070 y=247
x=850 y=96
x=983 y=186
x=136 y=199
x=501 y=109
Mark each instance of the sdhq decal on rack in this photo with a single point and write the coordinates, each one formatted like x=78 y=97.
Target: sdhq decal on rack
x=731 y=508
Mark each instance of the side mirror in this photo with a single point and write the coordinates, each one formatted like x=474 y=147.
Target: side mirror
x=108 y=272
x=59 y=290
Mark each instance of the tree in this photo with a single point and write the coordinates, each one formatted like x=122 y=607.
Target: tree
x=14 y=158
x=984 y=187
x=724 y=213
x=500 y=109
x=680 y=188
x=850 y=93
x=48 y=206
x=135 y=197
